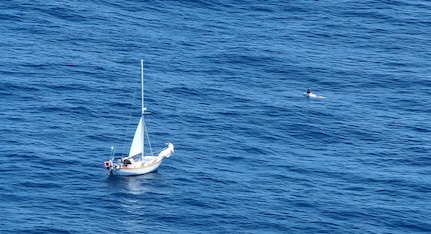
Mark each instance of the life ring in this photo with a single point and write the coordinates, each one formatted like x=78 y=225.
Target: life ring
x=107 y=164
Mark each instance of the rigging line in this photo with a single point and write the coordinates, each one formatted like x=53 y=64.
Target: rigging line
x=128 y=126
x=148 y=138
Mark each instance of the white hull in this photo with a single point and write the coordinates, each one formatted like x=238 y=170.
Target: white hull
x=144 y=168
x=312 y=95
x=138 y=166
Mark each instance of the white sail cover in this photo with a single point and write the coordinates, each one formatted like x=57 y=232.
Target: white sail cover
x=136 y=147
x=166 y=153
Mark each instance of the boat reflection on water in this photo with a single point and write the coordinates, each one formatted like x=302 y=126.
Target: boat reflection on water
x=135 y=196
x=134 y=185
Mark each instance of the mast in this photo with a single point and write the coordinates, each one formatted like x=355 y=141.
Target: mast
x=143 y=109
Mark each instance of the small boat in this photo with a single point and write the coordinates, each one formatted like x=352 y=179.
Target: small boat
x=137 y=163
x=310 y=94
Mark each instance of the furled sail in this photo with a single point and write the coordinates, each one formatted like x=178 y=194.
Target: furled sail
x=136 y=147
x=166 y=153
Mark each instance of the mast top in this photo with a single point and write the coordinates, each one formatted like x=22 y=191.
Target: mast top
x=142 y=87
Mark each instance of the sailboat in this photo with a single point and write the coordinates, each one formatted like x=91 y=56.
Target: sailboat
x=137 y=162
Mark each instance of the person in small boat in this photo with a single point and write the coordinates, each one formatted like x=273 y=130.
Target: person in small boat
x=308 y=91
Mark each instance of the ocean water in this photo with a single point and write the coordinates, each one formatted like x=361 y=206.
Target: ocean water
x=225 y=83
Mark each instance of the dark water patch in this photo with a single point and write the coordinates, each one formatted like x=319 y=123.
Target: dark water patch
x=42 y=229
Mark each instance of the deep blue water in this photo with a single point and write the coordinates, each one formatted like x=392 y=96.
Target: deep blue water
x=224 y=83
